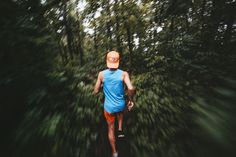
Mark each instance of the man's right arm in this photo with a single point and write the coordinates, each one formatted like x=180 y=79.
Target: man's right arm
x=98 y=84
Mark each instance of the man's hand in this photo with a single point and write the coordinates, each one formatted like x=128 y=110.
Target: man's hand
x=130 y=105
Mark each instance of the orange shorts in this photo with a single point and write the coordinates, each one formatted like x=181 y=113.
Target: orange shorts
x=110 y=117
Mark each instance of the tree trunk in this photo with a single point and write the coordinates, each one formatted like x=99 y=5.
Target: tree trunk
x=118 y=39
x=68 y=30
x=108 y=26
x=212 y=27
x=62 y=53
x=80 y=44
x=229 y=22
x=130 y=44
x=95 y=40
x=171 y=28
x=129 y=37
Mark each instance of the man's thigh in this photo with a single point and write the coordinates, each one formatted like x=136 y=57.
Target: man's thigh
x=110 y=117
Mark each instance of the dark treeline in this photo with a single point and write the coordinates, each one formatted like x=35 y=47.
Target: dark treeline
x=180 y=54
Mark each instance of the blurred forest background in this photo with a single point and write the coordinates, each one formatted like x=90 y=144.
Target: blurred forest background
x=180 y=55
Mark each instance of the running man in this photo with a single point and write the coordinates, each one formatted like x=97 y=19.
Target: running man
x=113 y=88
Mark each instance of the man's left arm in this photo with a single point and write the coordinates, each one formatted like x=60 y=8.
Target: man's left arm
x=131 y=90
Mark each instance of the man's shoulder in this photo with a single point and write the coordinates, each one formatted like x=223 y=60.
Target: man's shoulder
x=101 y=73
x=125 y=73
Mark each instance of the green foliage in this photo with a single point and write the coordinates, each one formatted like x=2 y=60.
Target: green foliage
x=180 y=56
x=64 y=116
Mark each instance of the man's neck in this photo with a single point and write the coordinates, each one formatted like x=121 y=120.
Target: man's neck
x=113 y=69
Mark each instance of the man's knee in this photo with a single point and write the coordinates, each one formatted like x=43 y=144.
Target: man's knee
x=111 y=132
x=111 y=126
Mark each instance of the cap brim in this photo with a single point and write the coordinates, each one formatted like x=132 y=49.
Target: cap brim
x=112 y=65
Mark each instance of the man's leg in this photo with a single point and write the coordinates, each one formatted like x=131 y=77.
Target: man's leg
x=120 y=125
x=111 y=131
x=111 y=136
x=120 y=120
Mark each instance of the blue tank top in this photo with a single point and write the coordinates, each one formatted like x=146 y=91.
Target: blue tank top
x=114 y=91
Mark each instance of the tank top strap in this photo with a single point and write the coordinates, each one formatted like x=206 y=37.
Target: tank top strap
x=107 y=73
x=119 y=73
